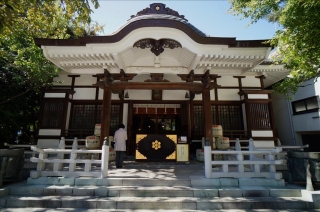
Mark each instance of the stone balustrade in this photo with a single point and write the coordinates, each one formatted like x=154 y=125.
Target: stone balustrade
x=240 y=168
x=66 y=163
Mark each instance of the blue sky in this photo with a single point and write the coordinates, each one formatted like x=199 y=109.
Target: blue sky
x=210 y=16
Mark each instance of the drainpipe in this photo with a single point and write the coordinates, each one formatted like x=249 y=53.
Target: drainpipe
x=291 y=123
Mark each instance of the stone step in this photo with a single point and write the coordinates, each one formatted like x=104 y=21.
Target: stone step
x=150 y=191
x=152 y=203
x=194 y=181
x=156 y=210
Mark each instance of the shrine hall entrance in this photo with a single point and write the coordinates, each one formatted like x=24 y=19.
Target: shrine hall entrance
x=157 y=122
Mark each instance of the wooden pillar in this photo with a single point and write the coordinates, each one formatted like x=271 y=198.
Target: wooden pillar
x=106 y=113
x=131 y=140
x=207 y=115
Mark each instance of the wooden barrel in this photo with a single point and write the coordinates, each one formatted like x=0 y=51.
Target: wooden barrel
x=97 y=129
x=217 y=131
x=92 y=142
x=200 y=155
x=222 y=143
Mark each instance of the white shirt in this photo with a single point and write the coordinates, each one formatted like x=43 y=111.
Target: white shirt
x=120 y=137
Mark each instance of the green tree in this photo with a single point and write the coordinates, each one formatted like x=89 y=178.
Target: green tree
x=297 y=43
x=12 y=10
x=24 y=71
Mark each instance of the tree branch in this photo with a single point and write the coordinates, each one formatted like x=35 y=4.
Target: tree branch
x=16 y=96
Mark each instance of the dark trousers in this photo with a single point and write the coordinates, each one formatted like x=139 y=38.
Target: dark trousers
x=119 y=159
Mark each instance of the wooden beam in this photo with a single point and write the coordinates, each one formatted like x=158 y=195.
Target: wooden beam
x=191 y=86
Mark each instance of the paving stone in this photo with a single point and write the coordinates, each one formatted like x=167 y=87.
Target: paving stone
x=27 y=191
x=230 y=192
x=156 y=203
x=260 y=182
x=79 y=202
x=201 y=181
x=58 y=191
x=101 y=192
x=209 y=204
x=283 y=192
x=83 y=191
x=206 y=192
x=254 y=191
x=154 y=182
x=4 y=192
x=229 y=182
x=51 y=181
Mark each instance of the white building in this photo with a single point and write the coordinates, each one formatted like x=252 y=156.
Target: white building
x=297 y=118
x=159 y=75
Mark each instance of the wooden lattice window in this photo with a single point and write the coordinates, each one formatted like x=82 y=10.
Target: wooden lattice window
x=259 y=115
x=115 y=117
x=198 y=120
x=85 y=116
x=229 y=117
x=52 y=114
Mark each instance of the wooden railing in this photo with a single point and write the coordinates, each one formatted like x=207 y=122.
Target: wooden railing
x=73 y=166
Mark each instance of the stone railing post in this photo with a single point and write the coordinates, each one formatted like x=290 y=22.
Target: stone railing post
x=62 y=145
x=237 y=145
x=207 y=160
x=105 y=158
x=75 y=143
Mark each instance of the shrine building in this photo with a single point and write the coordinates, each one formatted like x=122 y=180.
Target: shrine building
x=165 y=80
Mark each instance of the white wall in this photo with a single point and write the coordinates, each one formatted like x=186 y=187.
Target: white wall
x=250 y=81
x=228 y=94
x=306 y=122
x=301 y=123
x=307 y=89
x=85 y=79
x=174 y=95
x=282 y=116
x=84 y=93
x=227 y=81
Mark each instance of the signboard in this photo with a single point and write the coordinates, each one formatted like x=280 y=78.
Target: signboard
x=152 y=147
x=182 y=152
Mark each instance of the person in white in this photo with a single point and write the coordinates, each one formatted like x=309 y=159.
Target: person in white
x=120 y=137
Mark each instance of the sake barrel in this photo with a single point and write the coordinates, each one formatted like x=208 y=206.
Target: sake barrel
x=200 y=155
x=222 y=143
x=217 y=131
x=97 y=129
x=93 y=142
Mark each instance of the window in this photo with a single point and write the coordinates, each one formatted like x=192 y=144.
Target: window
x=259 y=116
x=198 y=121
x=307 y=105
x=52 y=114
x=84 y=117
x=229 y=116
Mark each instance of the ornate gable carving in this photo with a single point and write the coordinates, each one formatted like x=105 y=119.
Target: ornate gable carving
x=156 y=77
x=158 y=8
